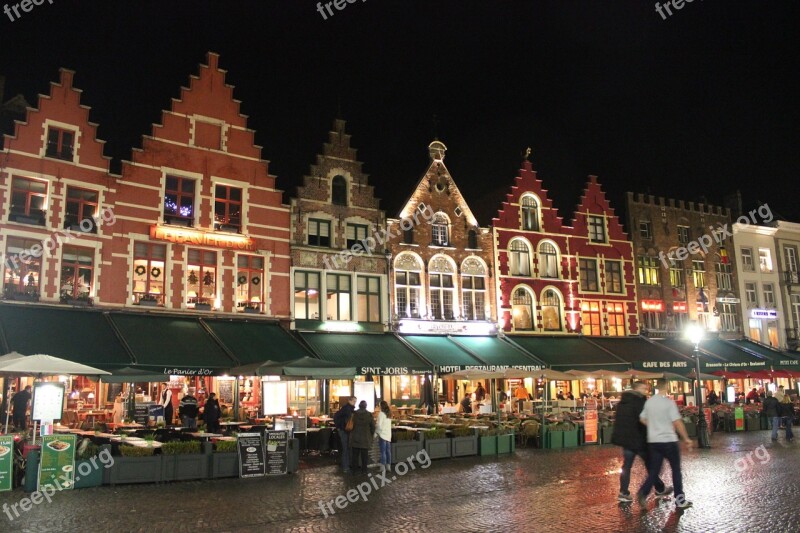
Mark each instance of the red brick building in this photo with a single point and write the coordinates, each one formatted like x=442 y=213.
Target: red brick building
x=553 y=278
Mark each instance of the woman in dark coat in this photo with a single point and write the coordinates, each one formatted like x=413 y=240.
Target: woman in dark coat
x=211 y=413
x=361 y=437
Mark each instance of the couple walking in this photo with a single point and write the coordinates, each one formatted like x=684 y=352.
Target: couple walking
x=356 y=429
x=649 y=428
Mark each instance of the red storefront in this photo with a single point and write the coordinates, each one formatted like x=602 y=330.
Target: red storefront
x=555 y=278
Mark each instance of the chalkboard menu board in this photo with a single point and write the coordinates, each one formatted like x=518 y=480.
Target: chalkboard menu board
x=225 y=387
x=142 y=413
x=277 y=452
x=251 y=455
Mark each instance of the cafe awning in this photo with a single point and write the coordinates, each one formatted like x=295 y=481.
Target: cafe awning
x=497 y=353
x=377 y=354
x=172 y=345
x=645 y=355
x=717 y=354
x=254 y=342
x=777 y=358
x=569 y=353
x=79 y=335
x=445 y=355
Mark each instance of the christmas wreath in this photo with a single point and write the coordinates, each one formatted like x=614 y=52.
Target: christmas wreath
x=242 y=279
x=256 y=281
x=140 y=270
x=155 y=272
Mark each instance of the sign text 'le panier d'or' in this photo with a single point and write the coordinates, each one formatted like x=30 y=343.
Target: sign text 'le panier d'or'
x=179 y=235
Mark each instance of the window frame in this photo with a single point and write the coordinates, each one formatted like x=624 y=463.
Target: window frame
x=368 y=293
x=544 y=259
x=28 y=211
x=337 y=189
x=615 y=315
x=649 y=271
x=529 y=304
x=751 y=289
x=746 y=253
x=440 y=230
x=614 y=276
x=684 y=234
x=408 y=307
x=724 y=275
x=698 y=274
x=545 y=302
x=81 y=204
x=529 y=213
x=768 y=289
x=677 y=276
x=253 y=271
x=350 y=243
x=592 y=309
x=439 y=296
x=337 y=291
x=307 y=274
x=203 y=269
x=59 y=153
x=473 y=310
x=522 y=272
x=646 y=229
x=180 y=194
x=149 y=257
x=25 y=268
x=584 y=281
x=320 y=222
x=596 y=224
x=229 y=204
x=765 y=264
x=77 y=266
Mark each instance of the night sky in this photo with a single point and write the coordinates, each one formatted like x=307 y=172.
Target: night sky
x=700 y=104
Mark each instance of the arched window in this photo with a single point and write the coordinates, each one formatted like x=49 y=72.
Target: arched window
x=439 y=230
x=551 y=310
x=548 y=260
x=519 y=258
x=339 y=190
x=408 y=285
x=473 y=289
x=522 y=310
x=530 y=214
x=442 y=288
x=472 y=239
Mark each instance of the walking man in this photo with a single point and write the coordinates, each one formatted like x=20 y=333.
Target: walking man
x=664 y=424
x=340 y=420
x=631 y=435
x=770 y=410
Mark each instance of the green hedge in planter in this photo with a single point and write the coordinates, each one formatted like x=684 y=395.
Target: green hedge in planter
x=505 y=442
x=88 y=466
x=465 y=441
x=185 y=460
x=225 y=446
x=181 y=447
x=752 y=423
x=135 y=465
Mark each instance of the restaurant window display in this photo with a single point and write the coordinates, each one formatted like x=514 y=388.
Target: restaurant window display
x=304 y=395
x=77 y=271
x=306 y=295
x=250 y=283
x=406 y=389
x=149 y=273
x=21 y=278
x=201 y=280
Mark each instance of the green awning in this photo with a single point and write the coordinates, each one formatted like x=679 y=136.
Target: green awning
x=254 y=342
x=645 y=355
x=377 y=354
x=445 y=355
x=569 y=353
x=719 y=355
x=172 y=345
x=497 y=353
x=80 y=335
x=759 y=349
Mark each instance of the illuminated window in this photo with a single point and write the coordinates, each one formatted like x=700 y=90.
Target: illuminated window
x=699 y=273
x=522 y=310
x=548 y=260
x=751 y=296
x=201 y=282
x=149 y=273
x=369 y=299
x=597 y=229
x=747 y=259
x=616 y=319
x=408 y=286
x=306 y=295
x=338 y=303
x=727 y=317
x=590 y=318
x=28 y=199
x=227 y=208
x=769 y=295
x=21 y=278
x=530 y=214
x=676 y=276
x=614 y=277
x=442 y=289
x=765 y=259
x=551 y=311
x=724 y=276
x=250 y=283
x=439 y=230
x=648 y=270
x=519 y=259
x=179 y=201
x=77 y=270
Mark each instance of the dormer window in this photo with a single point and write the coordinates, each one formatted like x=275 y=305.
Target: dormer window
x=597 y=229
x=339 y=191
x=60 y=143
x=439 y=230
x=530 y=214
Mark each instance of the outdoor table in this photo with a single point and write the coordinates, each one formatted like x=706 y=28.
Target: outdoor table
x=228 y=439
x=130 y=426
x=228 y=424
x=205 y=435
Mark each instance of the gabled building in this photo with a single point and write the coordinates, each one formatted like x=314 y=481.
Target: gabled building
x=339 y=269
x=200 y=225
x=686 y=265
x=787 y=245
x=441 y=271
x=55 y=207
x=554 y=278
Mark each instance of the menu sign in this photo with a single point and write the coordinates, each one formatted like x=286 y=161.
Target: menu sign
x=277 y=452
x=739 y=414
x=6 y=462
x=225 y=388
x=142 y=413
x=57 y=466
x=48 y=401
x=251 y=455
x=590 y=426
x=707 y=412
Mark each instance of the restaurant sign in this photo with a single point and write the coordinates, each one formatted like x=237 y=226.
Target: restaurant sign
x=57 y=463
x=196 y=237
x=433 y=327
x=6 y=462
x=731 y=365
x=763 y=313
x=392 y=370
x=277 y=452
x=188 y=372
x=251 y=455
x=650 y=365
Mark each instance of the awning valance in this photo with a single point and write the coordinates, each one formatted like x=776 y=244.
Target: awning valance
x=377 y=354
x=568 y=353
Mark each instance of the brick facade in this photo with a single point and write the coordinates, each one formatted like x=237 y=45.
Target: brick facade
x=670 y=295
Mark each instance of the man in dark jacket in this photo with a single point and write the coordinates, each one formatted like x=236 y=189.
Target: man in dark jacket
x=340 y=420
x=770 y=410
x=631 y=434
x=361 y=436
x=786 y=412
x=188 y=410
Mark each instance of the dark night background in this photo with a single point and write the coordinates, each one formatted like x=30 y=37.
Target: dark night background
x=701 y=104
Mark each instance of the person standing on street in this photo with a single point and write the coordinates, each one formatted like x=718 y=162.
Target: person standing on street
x=340 y=420
x=188 y=410
x=166 y=402
x=384 y=430
x=361 y=437
x=631 y=435
x=786 y=412
x=211 y=413
x=20 y=402
x=664 y=424
x=770 y=410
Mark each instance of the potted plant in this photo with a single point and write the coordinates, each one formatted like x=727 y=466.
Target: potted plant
x=487 y=442
x=465 y=441
x=437 y=444
x=184 y=460
x=404 y=445
x=135 y=464
x=225 y=459
x=88 y=467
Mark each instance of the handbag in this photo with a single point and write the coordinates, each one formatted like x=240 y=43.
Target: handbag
x=349 y=426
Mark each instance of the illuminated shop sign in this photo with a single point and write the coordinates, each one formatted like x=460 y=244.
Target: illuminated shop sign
x=201 y=238
x=763 y=313
x=653 y=305
x=429 y=327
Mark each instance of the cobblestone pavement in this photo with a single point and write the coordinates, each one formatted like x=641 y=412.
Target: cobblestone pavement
x=533 y=490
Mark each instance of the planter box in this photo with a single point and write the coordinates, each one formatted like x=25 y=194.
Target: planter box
x=605 y=434
x=765 y=424
x=505 y=443
x=487 y=445
x=691 y=429
x=294 y=456
x=464 y=446
x=571 y=438
x=134 y=470
x=184 y=467
x=554 y=439
x=752 y=424
x=95 y=476
x=224 y=465
x=403 y=449
x=439 y=448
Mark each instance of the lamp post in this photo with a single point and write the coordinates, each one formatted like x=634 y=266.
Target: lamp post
x=695 y=334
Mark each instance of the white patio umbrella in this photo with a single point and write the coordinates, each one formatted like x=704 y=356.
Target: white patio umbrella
x=39 y=365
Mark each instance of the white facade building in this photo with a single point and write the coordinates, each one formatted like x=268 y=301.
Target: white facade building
x=787 y=244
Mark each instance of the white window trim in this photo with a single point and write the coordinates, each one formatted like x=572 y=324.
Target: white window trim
x=76 y=142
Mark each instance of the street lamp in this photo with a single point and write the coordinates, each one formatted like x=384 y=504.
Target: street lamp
x=695 y=334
